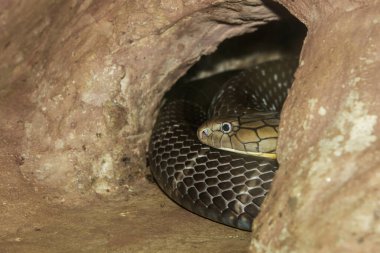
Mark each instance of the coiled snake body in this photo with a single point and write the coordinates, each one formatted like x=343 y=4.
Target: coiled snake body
x=223 y=186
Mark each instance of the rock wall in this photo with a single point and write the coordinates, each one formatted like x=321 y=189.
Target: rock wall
x=325 y=196
x=91 y=75
x=80 y=83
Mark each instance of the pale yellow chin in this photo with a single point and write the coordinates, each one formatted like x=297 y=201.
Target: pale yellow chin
x=260 y=154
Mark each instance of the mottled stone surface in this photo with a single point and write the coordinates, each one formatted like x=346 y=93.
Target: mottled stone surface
x=325 y=196
x=92 y=75
x=80 y=83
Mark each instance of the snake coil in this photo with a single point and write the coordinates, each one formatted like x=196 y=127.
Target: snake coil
x=219 y=185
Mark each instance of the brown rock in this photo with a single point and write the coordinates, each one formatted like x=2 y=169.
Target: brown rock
x=325 y=197
x=80 y=82
x=80 y=85
x=94 y=74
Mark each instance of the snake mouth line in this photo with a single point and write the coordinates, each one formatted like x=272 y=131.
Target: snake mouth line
x=258 y=154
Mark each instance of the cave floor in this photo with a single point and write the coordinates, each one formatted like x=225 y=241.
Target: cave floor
x=147 y=222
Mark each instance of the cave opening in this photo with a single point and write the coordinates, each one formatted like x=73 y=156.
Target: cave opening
x=275 y=40
x=249 y=73
x=81 y=83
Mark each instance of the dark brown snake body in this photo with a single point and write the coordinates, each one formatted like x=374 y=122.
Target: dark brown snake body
x=223 y=186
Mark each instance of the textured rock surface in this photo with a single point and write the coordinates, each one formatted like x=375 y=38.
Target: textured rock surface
x=80 y=81
x=91 y=72
x=326 y=194
x=135 y=225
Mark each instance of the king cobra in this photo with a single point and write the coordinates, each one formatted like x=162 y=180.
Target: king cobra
x=213 y=146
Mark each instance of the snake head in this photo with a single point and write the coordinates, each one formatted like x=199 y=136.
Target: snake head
x=252 y=134
x=212 y=131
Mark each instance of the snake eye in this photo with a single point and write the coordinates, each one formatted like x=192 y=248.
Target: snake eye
x=226 y=127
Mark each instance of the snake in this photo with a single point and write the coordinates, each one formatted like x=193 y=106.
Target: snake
x=213 y=145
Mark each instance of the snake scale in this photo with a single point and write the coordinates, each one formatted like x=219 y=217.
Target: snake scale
x=220 y=185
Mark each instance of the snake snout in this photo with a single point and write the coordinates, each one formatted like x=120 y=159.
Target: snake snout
x=206 y=133
x=203 y=133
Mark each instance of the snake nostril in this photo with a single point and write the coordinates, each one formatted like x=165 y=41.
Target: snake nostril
x=205 y=133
